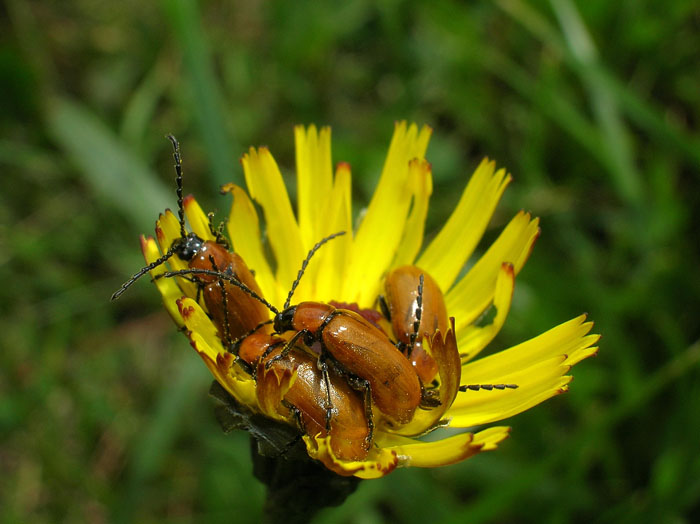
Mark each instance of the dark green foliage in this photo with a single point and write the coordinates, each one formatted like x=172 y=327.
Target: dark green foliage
x=594 y=108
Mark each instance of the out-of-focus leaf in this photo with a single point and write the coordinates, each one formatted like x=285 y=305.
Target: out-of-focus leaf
x=158 y=437
x=115 y=174
x=208 y=105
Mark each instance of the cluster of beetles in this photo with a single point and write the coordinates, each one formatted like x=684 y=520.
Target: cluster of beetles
x=349 y=371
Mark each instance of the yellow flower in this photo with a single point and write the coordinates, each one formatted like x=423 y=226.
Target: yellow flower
x=351 y=269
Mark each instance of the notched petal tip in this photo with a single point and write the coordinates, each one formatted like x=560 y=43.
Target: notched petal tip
x=149 y=250
x=143 y=240
x=450 y=450
x=508 y=268
x=379 y=463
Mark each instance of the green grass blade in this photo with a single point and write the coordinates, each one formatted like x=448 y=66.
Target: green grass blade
x=603 y=101
x=641 y=112
x=208 y=105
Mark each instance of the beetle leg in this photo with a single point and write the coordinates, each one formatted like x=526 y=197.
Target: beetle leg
x=287 y=348
x=360 y=384
x=217 y=231
x=419 y=314
x=300 y=422
x=368 y=414
x=429 y=399
x=323 y=365
x=224 y=303
x=246 y=367
x=384 y=307
x=370 y=417
x=297 y=415
x=198 y=298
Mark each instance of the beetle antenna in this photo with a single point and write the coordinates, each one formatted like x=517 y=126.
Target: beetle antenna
x=224 y=302
x=305 y=263
x=224 y=276
x=419 y=314
x=140 y=273
x=232 y=346
x=181 y=219
x=178 y=180
x=487 y=387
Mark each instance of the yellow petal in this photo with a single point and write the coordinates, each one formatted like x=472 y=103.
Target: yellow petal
x=333 y=257
x=444 y=351
x=266 y=187
x=569 y=340
x=475 y=338
x=170 y=227
x=271 y=387
x=491 y=437
x=244 y=232
x=506 y=403
x=449 y=251
x=524 y=376
x=449 y=450
x=383 y=223
x=380 y=462
x=415 y=224
x=199 y=222
x=535 y=384
x=197 y=321
x=472 y=294
x=168 y=287
x=203 y=338
x=314 y=180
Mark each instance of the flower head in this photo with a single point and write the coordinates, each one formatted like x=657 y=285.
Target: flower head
x=351 y=270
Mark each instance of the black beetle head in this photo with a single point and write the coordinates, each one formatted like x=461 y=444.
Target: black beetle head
x=187 y=247
x=284 y=320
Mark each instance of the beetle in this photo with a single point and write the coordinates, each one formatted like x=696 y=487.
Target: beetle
x=240 y=313
x=358 y=349
x=415 y=306
x=345 y=419
x=349 y=343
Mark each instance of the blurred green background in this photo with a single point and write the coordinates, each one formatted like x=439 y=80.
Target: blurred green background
x=593 y=106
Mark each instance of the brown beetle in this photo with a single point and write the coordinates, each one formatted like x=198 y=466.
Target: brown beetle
x=415 y=306
x=349 y=343
x=306 y=395
x=234 y=312
x=242 y=312
x=346 y=341
x=355 y=347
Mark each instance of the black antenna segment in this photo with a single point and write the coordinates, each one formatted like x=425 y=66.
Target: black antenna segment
x=177 y=246
x=487 y=387
x=305 y=263
x=178 y=180
x=223 y=276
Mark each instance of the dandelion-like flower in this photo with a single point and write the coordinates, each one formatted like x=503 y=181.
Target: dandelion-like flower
x=351 y=270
